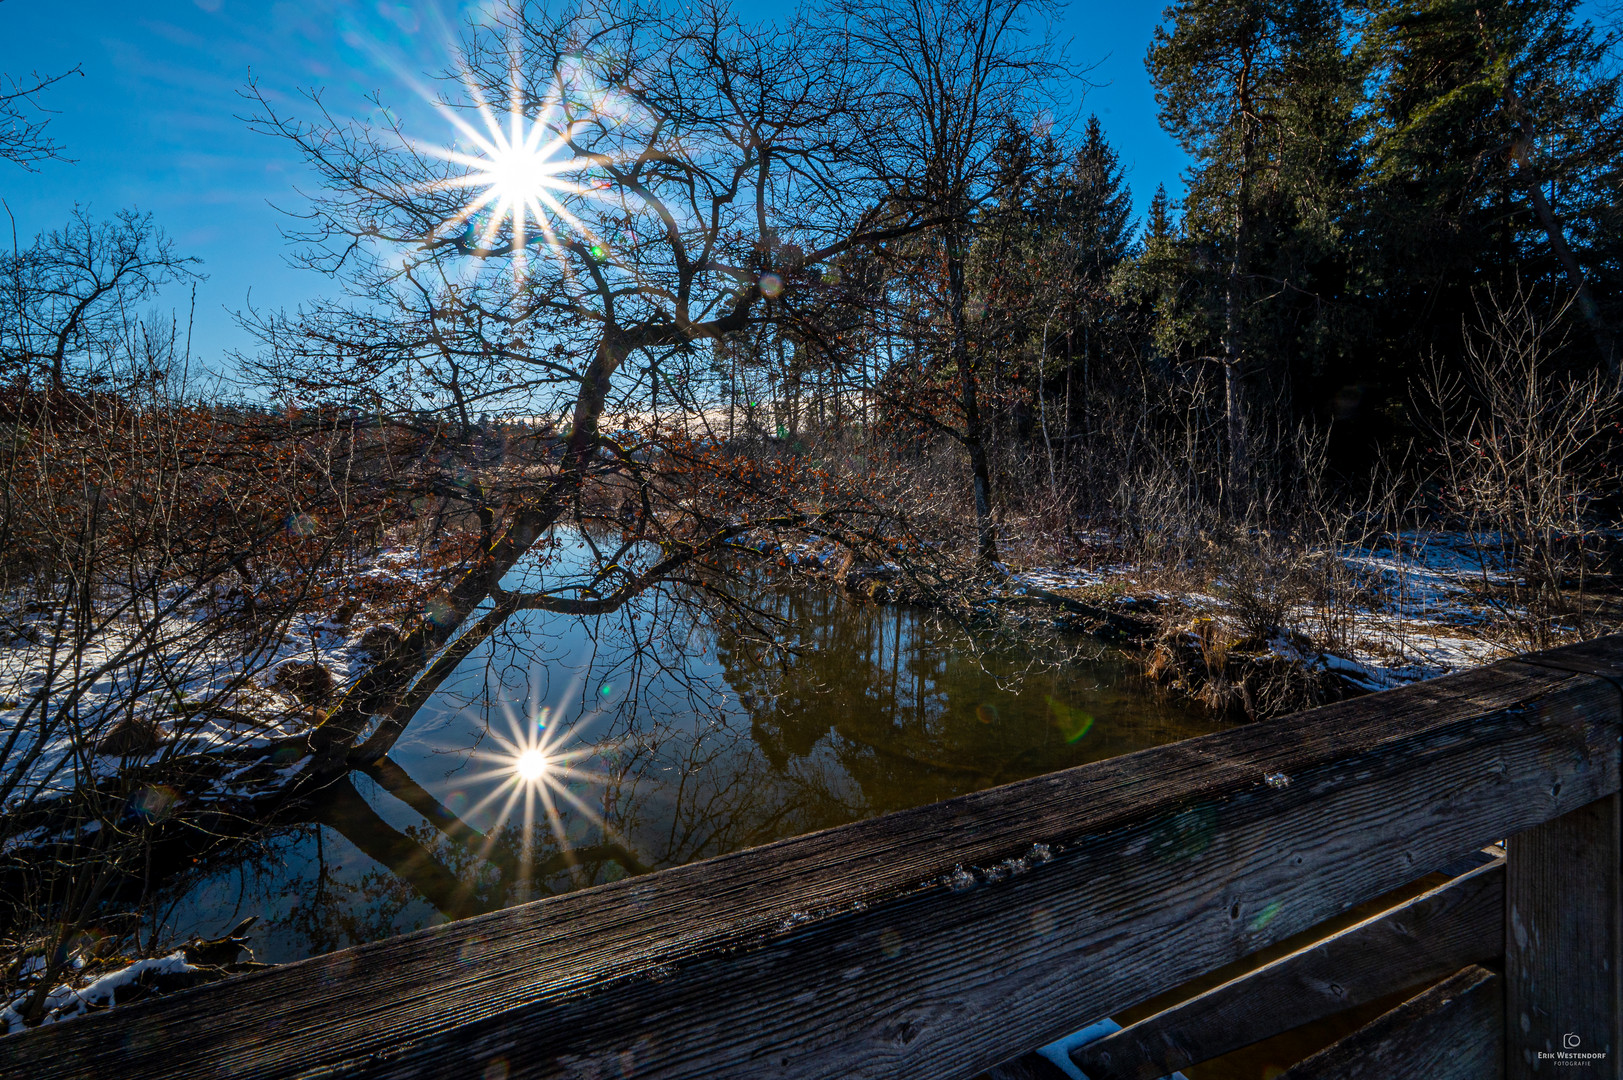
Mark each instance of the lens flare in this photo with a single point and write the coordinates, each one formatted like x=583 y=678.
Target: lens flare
x=540 y=766
x=515 y=176
x=1073 y=723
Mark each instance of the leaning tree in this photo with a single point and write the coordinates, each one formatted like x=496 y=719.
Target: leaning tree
x=627 y=187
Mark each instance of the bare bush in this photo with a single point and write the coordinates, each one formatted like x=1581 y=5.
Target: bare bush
x=157 y=557
x=1521 y=447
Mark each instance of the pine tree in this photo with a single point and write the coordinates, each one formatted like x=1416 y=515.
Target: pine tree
x=1158 y=224
x=1259 y=92
x=1493 y=130
x=1098 y=206
x=1095 y=208
x=1164 y=278
x=1044 y=255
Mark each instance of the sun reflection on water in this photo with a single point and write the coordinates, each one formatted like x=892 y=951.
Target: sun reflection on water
x=540 y=768
x=531 y=765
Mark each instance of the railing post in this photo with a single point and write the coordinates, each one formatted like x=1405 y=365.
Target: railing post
x=1562 y=942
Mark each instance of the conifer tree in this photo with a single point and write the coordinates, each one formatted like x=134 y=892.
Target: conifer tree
x=1098 y=205
x=940 y=78
x=1158 y=220
x=1164 y=277
x=1259 y=93
x=1095 y=207
x=1495 y=131
x=1045 y=253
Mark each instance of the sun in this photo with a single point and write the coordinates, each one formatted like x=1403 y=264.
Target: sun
x=517 y=169
x=539 y=766
x=516 y=180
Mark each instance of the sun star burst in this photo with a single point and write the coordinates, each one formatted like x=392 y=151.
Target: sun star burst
x=520 y=168
x=538 y=765
x=531 y=765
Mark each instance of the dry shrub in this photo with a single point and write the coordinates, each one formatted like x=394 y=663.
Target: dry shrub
x=1525 y=452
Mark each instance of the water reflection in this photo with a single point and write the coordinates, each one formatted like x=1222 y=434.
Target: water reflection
x=566 y=752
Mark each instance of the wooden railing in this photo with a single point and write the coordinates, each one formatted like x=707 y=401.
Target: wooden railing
x=953 y=939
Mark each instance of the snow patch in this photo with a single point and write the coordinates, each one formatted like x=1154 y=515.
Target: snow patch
x=65 y=1002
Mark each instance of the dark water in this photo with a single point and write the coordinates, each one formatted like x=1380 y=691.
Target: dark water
x=670 y=739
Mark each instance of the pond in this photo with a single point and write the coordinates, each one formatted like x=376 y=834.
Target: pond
x=566 y=752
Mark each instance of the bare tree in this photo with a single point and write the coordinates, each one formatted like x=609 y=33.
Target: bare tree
x=699 y=186
x=1526 y=453
x=155 y=555
x=691 y=154
x=23 y=119
x=66 y=300
x=940 y=78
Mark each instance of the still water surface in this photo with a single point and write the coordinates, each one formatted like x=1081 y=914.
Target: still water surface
x=665 y=739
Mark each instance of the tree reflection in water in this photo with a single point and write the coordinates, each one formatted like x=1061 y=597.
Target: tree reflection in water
x=700 y=740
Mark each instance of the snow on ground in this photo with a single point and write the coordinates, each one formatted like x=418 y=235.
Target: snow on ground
x=1386 y=652
x=65 y=1002
x=1414 y=611
x=1424 y=615
x=1417 y=614
x=1072 y=577
x=176 y=670
x=1430 y=575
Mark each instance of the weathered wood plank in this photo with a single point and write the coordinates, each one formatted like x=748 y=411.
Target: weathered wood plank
x=1031 y=1066
x=1600 y=657
x=1435 y=934
x=1453 y=1031
x=1563 y=937
x=864 y=952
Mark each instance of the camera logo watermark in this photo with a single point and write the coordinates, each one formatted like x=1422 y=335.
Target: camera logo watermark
x=1571 y=1052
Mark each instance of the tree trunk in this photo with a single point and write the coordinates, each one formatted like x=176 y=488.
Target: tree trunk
x=1042 y=405
x=1233 y=356
x=974 y=435
x=382 y=689
x=1233 y=319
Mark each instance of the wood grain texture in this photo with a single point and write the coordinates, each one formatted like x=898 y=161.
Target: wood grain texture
x=1435 y=934
x=1032 y=1066
x=932 y=942
x=1562 y=944
x=1600 y=657
x=1453 y=1031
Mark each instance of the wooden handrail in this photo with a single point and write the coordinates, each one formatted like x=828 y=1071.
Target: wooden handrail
x=1452 y=1031
x=1412 y=943
x=934 y=942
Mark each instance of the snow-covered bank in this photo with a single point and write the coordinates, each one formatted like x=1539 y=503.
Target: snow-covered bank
x=65 y=1001
x=201 y=668
x=1415 y=606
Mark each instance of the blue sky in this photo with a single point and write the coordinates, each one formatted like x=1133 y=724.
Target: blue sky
x=154 y=122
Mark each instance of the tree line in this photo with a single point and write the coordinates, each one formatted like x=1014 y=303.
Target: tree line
x=1370 y=184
